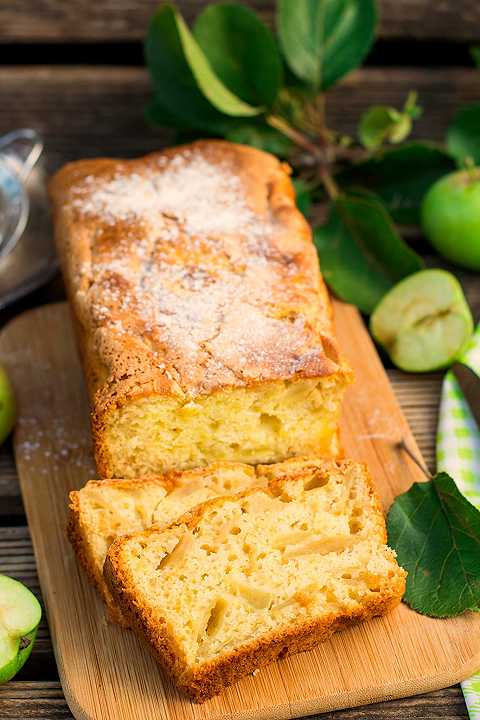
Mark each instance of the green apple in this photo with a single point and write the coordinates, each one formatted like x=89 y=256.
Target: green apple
x=451 y=217
x=423 y=322
x=7 y=405
x=20 y=614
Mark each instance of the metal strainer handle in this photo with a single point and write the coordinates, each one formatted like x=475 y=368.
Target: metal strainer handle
x=23 y=147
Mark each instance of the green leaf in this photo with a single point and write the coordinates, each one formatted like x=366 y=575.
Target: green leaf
x=262 y=137
x=381 y=124
x=361 y=254
x=177 y=96
x=463 y=135
x=208 y=82
x=436 y=534
x=401 y=177
x=241 y=51
x=183 y=80
x=322 y=40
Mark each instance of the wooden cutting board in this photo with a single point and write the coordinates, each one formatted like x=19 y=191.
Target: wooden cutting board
x=105 y=672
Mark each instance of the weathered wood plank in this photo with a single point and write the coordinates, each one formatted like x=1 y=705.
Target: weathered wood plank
x=33 y=700
x=91 y=111
x=120 y=20
x=45 y=701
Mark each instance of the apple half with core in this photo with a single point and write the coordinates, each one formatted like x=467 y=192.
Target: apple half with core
x=424 y=322
x=451 y=217
x=20 y=614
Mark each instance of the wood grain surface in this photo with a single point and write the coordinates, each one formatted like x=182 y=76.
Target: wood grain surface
x=104 y=671
x=21 y=700
x=119 y=20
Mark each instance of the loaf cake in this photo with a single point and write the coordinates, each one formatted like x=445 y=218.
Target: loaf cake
x=245 y=579
x=104 y=510
x=203 y=322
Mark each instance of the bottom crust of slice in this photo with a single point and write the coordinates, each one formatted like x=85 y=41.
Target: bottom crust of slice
x=135 y=572
x=215 y=676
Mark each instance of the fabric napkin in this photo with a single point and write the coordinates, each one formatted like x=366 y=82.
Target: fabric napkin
x=458 y=454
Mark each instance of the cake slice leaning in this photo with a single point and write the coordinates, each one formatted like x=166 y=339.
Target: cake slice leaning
x=103 y=510
x=246 y=579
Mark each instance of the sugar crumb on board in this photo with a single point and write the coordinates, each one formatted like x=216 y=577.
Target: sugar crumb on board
x=54 y=447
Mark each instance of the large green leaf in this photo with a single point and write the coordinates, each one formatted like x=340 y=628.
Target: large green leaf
x=435 y=532
x=361 y=254
x=262 y=137
x=211 y=86
x=463 y=135
x=323 y=40
x=184 y=83
x=401 y=177
x=241 y=51
x=177 y=96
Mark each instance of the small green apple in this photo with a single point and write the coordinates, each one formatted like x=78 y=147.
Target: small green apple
x=20 y=614
x=424 y=321
x=7 y=405
x=451 y=217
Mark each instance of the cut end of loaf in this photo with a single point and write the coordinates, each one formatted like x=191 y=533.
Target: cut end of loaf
x=247 y=579
x=259 y=424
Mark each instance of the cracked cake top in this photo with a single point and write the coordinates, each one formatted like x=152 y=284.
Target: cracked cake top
x=191 y=270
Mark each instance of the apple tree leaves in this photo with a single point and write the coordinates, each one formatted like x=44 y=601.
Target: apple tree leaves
x=229 y=65
x=196 y=81
x=322 y=40
x=435 y=532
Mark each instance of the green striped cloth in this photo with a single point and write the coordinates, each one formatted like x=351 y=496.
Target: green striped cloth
x=458 y=454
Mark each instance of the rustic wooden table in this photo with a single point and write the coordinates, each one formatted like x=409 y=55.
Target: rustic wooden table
x=73 y=70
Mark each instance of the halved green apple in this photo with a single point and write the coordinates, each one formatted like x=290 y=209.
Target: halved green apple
x=424 y=322
x=20 y=614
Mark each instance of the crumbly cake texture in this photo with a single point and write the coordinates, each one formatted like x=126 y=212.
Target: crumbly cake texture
x=103 y=510
x=204 y=325
x=243 y=580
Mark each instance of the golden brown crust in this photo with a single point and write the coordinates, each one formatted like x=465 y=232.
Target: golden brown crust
x=167 y=305
x=214 y=676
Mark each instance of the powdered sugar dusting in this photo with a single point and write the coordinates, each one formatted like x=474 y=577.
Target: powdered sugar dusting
x=195 y=274
x=201 y=196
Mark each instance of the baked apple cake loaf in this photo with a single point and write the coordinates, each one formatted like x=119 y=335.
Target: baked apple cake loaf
x=245 y=579
x=103 y=510
x=204 y=325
